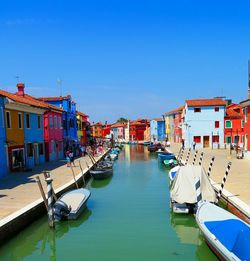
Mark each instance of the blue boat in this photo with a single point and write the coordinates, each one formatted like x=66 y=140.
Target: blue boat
x=227 y=235
x=172 y=173
x=166 y=156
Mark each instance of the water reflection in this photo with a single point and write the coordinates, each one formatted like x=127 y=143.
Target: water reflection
x=135 y=153
x=100 y=183
x=42 y=241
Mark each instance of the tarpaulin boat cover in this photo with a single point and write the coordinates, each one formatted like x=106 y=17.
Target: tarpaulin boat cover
x=183 y=189
x=233 y=234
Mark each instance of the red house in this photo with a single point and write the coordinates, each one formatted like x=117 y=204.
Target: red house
x=106 y=130
x=234 y=125
x=177 y=115
x=246 y=109
x=137 y=128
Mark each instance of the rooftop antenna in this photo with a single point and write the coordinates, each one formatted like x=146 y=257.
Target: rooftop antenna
x=59 y=83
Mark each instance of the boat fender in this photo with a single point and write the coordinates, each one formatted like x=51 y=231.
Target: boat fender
x=61 y=210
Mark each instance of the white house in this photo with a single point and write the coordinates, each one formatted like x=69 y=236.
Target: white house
x=203 y=123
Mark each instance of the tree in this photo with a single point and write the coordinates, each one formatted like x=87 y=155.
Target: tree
x=122 y=120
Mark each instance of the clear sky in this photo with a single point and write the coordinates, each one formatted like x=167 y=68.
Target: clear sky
x=130 y=58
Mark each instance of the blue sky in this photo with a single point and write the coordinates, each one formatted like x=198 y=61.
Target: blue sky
x=126 y=57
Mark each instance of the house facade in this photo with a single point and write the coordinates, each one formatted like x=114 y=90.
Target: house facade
x=203 y=123
x=97 y=130
x=137 y=128
x=106 y=130
x=177 y=124
x=234 y=125
x=3 y=145
x=83 y=128
x=118 y=130
x=157 y=130
x=69 y=118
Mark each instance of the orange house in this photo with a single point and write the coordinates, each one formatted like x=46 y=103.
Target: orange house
x=97 y=130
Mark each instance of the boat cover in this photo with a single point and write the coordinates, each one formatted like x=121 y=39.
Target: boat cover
x=183 y=189
x=233 y=234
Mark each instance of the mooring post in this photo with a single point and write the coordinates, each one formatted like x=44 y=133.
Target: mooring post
x=74 y=177
x=195 y=155
x=198 y=189
x=50 y=201
x=181 y=156
x=210 y=166
x=201 y=157
x=188 y=155
x=46 y=175
x=38 y=181
x=180 y=151
x=82 y=173
x=224 y=180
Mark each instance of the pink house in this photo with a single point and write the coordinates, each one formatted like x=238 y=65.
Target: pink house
x=53 y=133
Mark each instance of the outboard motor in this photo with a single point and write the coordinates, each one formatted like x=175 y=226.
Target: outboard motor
x=61 y=210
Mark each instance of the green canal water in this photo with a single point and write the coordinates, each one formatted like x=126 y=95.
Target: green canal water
x=127 y=218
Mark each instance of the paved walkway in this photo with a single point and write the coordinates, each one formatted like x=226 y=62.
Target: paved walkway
x=238 y=182
x=19 y=189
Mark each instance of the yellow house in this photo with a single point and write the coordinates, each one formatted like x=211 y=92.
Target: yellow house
x=167 y=127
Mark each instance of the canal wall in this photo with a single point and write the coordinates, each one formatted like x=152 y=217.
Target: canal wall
x=17 y=221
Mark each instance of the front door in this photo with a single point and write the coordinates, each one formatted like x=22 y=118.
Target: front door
x=205 y=141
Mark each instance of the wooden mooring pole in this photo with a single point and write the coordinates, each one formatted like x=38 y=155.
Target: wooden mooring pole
x=47 y=175
x=50 y=202
x=82 y=173
x=38 y=181
x=74 y=177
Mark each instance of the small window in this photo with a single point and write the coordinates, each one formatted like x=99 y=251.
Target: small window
x=41 y=151
x=217 y=124
x=197 y=109
x=228 y=139
x=20 y=120
x=197 y=139
x=30 y=149
x=55 y=122
x=216 y=138
x=8 y=120
x=27 y=121
x=216 y=109
x=243 y=139
x=64 y=124
x=38 y=121
x=236 y=138
x=228 y=124
x=242 y=124
x=50 y=122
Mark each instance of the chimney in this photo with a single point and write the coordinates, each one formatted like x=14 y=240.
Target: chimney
x=20 y=89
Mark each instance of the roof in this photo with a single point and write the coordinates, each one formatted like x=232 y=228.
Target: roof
x=82 y=114
x=97 y=124
x=179 y=109
x=29 y=100
x=232 y=113
x=54 y=98
x=119 y=124
x=139 y=122
x=205 y=102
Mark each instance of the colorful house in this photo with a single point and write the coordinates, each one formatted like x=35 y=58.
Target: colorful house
x=118 y=130
x=3 y=146
x=97 y=130
x=24 y=129
x=167 y=126
x=83 y=128
x=234 y=125
x=246 y=109
x=137 y=128
x=69 y=118
x=147 y=134
x=203 y=122
x=126 y=132
x=157 y=130
x=106 y=130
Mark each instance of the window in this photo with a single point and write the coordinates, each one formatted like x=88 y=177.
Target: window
x=228 y=139
x=41 y=149
x=216 y=109
x=8 y=120
x=217 y=124
x=27 y=120
x=55 y=122
x=246 y=114
x=197 y=139
x=243 y=139
x=64 y=124
x=20 y=120
x=216 y=138
x=228 y=124
x=197 y=109
x=50 y=122
x=17 y=158
x=39 y=121
x=242 y=124
x=30 y=149
x=59 y=123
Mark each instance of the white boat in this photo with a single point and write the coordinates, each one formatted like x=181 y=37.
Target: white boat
x=71 y=204
x=227 y=235
x=183 y=193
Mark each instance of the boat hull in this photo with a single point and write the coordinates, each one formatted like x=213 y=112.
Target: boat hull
x=101 y=174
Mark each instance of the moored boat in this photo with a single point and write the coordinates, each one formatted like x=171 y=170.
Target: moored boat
x=71 y=204
x=170 y=163
x=172 y=172
x=101 y=173
x=165 y=156
x=183 y=193
x=227 y=235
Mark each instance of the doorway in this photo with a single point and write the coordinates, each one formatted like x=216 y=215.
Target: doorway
x=205 y=141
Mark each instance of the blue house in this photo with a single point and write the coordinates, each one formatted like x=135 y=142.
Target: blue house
x=3 y=147
x=157 y=130
x=69 y=118
x=203 y=123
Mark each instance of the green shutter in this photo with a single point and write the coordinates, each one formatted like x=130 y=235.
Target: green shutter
x=228 y=140
x=228 y=124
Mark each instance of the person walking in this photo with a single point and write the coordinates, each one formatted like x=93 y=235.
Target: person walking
x=71 y=157
x=68 y=158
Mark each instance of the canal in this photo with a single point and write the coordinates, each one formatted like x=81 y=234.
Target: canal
x=127 y=218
